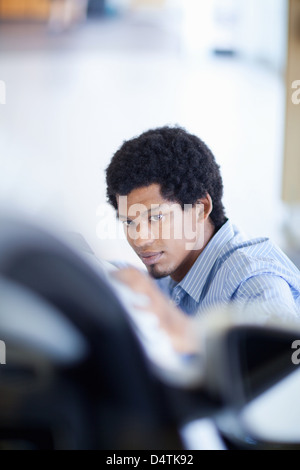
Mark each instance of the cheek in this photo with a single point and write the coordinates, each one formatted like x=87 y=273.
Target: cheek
x=130 y=241
x=190 y=226
x=176 y=249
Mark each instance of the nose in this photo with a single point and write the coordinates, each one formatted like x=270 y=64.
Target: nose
x=141 y=236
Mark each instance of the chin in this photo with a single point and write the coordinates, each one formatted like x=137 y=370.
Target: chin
x=156 y=273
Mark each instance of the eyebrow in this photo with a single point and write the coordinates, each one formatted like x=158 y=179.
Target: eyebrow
x=153 y=208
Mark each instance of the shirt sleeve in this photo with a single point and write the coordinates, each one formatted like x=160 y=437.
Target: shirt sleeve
x=272 y=293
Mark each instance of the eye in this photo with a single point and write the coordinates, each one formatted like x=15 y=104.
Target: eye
x=156 y=218
x=127 y=222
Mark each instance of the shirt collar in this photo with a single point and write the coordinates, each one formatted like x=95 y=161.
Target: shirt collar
x=195 y=279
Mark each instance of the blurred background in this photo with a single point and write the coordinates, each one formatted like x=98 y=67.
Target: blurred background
x=79 y=77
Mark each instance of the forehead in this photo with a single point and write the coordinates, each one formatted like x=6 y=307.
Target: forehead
x=148 y=195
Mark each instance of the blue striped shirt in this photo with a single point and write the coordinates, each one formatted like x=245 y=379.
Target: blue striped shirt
x=234 y=269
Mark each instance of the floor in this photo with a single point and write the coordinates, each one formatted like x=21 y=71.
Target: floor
x=73 y=98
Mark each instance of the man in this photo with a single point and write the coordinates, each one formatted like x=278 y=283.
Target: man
x=167 y=189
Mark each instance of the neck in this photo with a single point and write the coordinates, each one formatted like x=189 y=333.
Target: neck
x=183 y=269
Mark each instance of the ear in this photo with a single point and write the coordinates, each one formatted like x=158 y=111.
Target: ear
x=205 y=206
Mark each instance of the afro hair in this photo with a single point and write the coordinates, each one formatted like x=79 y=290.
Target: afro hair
x=179 y=162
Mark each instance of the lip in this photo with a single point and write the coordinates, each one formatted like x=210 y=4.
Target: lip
x=151 y=258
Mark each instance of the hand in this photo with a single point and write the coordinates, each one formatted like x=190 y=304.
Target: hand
x=178 y=326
